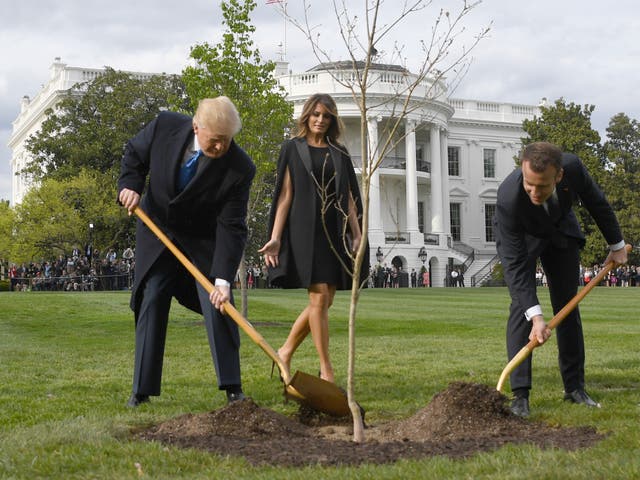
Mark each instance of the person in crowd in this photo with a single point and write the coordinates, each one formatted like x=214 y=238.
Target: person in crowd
x=316 y=195
x=197 y=193
x=454 y=278
x=425 y=277
x=395 y=277
x=534 y=219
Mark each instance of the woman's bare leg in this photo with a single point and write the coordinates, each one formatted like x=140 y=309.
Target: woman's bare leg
x=315 y=319
x=298 y=333
x=320 y=299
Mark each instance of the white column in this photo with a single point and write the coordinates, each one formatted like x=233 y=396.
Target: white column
x=436 y=181
x=444 y=144
x=411 y=179
x=376 y=231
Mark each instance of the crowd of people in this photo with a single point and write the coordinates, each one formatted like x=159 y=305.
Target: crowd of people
x=73 y=272
x=623 y=276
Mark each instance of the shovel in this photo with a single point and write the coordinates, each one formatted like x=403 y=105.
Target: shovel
x=555 y=321
x=306 y=389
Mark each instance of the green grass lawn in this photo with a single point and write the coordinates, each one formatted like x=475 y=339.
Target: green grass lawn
x=66 y=367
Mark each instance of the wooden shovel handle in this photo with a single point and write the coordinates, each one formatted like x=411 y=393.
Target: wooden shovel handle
x=556 y=320
x=573 y=303
x=229 y=309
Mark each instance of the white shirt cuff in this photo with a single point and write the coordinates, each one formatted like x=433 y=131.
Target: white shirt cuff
x=532 y=312
x=617 y=246
x=221 y=282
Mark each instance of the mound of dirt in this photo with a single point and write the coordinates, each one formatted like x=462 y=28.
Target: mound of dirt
x=462 y=410
x=460 y=421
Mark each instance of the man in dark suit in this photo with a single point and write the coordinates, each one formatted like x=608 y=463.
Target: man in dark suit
x=534 y=219
x=197 y=193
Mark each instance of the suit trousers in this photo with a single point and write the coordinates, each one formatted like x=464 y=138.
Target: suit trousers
x=562 y=267
x=166 y=277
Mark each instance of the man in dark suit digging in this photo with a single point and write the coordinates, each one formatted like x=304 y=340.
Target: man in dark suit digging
x=534 y=219
x=197 y=193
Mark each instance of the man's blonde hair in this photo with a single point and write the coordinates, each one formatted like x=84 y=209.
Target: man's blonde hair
x=218 y=113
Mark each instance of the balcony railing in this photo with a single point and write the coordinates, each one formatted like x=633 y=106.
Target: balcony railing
x=398 y=163
x=396 y=237
x=431 y=239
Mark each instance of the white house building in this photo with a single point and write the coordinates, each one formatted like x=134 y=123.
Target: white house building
x=433 y=198
x=32 y=114
x=435 y=192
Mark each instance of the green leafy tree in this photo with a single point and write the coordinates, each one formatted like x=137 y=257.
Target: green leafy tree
x=234 y=68
x=89 y=127
x=622 y=153
x=6 y=229
x=569 y=126
x=87 y=130
x=55 y=216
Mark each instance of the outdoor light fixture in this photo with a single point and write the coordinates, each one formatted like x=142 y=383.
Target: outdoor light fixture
x=422 y=255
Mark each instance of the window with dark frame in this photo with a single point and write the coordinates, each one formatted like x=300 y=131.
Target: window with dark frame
x=456 y=223
x=489 y=212
x=454 y=161
x=489 y=158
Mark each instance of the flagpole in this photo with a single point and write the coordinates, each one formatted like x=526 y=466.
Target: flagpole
x=285 y=31
x=283 y=54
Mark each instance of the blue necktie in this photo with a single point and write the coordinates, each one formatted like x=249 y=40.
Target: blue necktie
x=188 y=170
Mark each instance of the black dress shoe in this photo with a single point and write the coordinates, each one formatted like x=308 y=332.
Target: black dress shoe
x=136 y=399
x=235 y=396
x=580 y=396
x=520 y=407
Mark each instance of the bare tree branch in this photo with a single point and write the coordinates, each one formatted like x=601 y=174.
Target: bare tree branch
x=408 y=97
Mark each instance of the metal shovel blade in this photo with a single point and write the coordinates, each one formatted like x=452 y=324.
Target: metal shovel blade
x=318 y=394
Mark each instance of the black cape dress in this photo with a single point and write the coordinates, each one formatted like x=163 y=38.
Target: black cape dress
x=305 y=255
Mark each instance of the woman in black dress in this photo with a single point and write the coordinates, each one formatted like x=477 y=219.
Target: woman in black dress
x=315 y=223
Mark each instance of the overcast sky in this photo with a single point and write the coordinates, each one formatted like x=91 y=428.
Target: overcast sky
x=586 y=51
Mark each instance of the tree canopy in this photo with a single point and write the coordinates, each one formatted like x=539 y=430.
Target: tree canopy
x=614 y=165
x=90 y=125
x=54 y=218
x=6 y=229
x=233 y=67
x=622 y=184
x=75 y=161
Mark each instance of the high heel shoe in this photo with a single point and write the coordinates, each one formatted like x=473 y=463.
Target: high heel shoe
x=273 y=366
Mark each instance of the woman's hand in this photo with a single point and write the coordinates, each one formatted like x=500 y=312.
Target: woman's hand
x=271 y=251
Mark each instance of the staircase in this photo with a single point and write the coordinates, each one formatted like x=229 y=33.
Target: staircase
x=483 y=267
x=477 y=266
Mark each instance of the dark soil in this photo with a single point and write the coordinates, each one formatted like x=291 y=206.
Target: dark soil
x=462 y=420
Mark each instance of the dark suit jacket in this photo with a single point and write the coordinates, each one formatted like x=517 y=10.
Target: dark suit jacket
x=207 y=220
x=521 y=225
x=296 y=251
